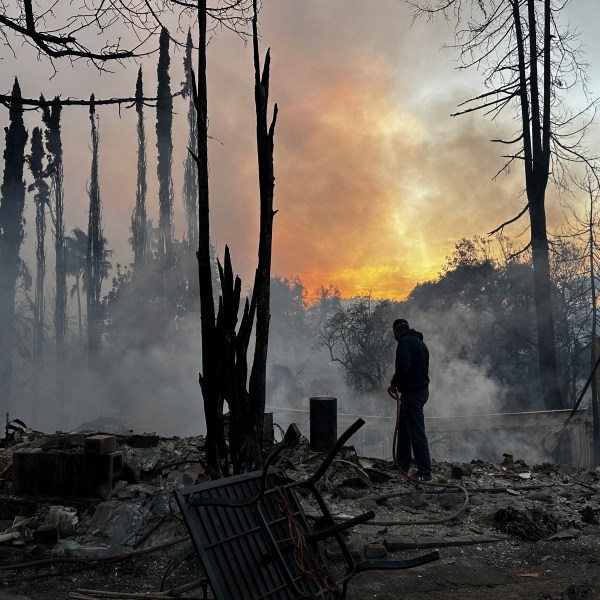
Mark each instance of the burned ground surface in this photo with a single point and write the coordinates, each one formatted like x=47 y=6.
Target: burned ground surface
x=520 y=531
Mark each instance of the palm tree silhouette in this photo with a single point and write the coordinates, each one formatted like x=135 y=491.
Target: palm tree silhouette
x=77 y=245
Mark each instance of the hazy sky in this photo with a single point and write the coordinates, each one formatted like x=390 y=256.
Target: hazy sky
x=375 y=181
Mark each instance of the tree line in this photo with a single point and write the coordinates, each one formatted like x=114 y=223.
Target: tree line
x=479 y=311
x=529 y=64
x=83 y=255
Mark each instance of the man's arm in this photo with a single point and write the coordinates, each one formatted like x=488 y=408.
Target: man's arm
x=402 y=364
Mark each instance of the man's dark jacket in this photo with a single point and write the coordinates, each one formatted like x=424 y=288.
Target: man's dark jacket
x=412 y=363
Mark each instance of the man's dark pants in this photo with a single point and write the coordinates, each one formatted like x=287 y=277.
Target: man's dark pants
x=412 y=440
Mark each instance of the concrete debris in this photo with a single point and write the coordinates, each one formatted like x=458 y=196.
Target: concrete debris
x=375 y=550
x=114 y=522
x=510 y=503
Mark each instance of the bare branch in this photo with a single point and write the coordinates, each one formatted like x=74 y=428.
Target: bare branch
x=501 y=227
x=7 y=100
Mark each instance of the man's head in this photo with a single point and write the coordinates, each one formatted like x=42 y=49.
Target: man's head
x=400 y=327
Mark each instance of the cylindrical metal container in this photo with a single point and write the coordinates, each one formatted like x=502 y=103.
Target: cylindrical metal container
x=323 y=423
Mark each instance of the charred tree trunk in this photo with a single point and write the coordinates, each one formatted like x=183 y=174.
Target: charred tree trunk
x=247 y=425
x=41 y=198
x=42 y=201
x=594 y=338
x=595 y=404
x=95 y=246
x=224 y=375
x=139 y=218
x=210 y=377
x=536 y=145
x=548 y=370
x=235 y=370
x=51 y=117
x=164 y=145
x=190 y=169
x=190 y=175
x=12 y=204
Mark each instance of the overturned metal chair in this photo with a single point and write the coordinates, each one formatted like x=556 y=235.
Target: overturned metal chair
x=255 y=542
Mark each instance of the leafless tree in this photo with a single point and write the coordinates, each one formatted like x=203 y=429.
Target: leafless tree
x=60 y=29
x=224 y=348
x=224 y=375
x=580 y=230
x=529 y=63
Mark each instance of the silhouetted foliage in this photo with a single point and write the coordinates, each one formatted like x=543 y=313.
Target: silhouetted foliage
x=358 y=337
x=485 y=311
x=77 y=246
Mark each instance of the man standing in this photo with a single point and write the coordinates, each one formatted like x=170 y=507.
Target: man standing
x=411 y=381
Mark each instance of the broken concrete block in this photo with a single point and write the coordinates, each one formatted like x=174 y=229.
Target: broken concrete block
x=334 y=552
x=375 y=550
x=100 y=444
x=395 y=543
x=56 y=473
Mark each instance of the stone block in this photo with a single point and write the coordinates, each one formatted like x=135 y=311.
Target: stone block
x=334 y=552
x=100 y=444
x=56 y=473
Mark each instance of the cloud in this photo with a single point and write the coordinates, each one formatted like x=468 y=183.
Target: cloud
x=374 y=180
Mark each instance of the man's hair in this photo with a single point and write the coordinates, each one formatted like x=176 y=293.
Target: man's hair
x=400 y=323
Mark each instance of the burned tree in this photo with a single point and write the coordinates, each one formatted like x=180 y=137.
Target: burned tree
x=42 y=201
x=61 y=39
x=224 y=376
x=209 y=379
x=529 y=63
x=76 y=247
x=95 y=243
x=252 y=415
x=164 y=145
x=51 y=115
x=139 y=226
x=592 y=189
x=246 y=401
x=582 y=288
x=12 y=205
x=190 y=171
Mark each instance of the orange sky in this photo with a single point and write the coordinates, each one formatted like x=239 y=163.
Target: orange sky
x=375 y=182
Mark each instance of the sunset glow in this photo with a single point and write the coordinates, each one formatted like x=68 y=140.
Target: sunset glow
x=374 y=180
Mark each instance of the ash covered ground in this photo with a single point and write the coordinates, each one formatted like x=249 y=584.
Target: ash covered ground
x=524 y=531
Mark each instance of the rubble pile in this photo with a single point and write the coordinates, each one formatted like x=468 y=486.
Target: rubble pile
x=91 y=541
